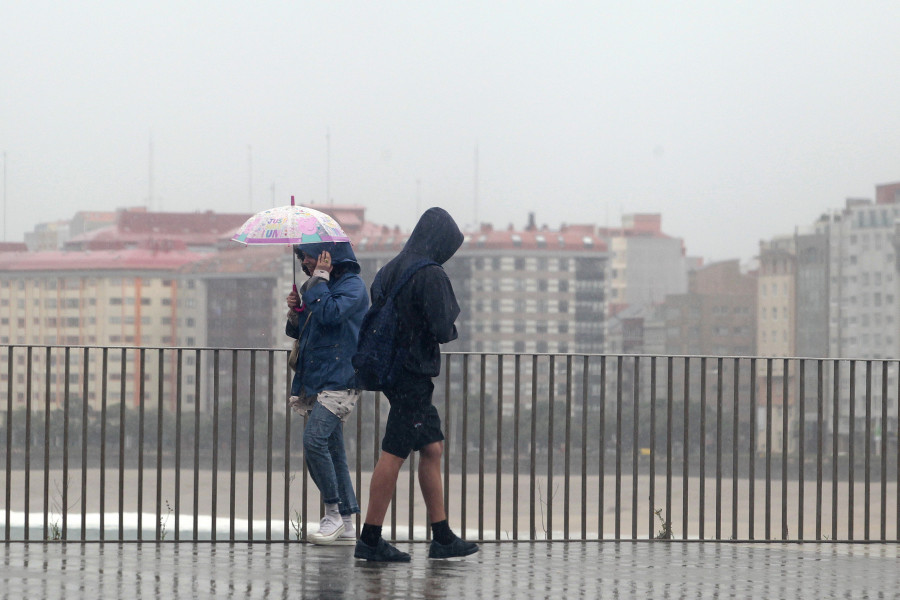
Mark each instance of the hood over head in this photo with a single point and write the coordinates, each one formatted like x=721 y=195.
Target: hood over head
x=435 y=236
x=341 y=253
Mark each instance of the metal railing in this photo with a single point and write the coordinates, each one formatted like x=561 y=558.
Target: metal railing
x=570 y=447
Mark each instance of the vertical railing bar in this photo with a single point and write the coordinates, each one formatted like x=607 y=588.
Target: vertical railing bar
x=517 y=413
x=122 y=387
x=448 y=428
x=65 y=474
x=140 y=486
x=685 y=448
x=618 y=498
x=532 y=465
x=820 y=448
x=178 y=418
x=652 y=480
x=9 y=430
x=585 y=387
x=85 y=376
x=670 y=409
x=304 y=489
x=232 y=475
x=499 y=472
x=851 y=447
x=897 y=462
x=376 y=436
x=270 y=431
x=751 y=499
x=768 y=500
x=801 y=453
x=251 y=442
x=719 y=409
x=286 y=498
x=159 y=443
x=196 y=458
x=47 y=445
x=28 y=405
x=735 y=446
x=602 y=445
x=482 y=391
x=358 y=449
x=884 y=432
x=867 y=489
x=214 y=484
x=702 y=507
x=550 y=415
x=635 y=431
x=464 y=450
x=411 y=490
x=835 y=437
x=568 y=452
x=785 y=408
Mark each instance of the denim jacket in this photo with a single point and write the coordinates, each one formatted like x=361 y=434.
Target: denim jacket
x=328 y=341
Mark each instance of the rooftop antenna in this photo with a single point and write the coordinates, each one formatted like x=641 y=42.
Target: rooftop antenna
x=150 y=181
x=418 y=197
x=250 y=177
x=328 y=167
x=4 y=196
x=476 y=186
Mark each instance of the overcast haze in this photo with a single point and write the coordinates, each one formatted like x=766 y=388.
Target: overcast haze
x=736 y=120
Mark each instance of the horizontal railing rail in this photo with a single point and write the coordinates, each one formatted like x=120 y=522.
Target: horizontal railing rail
x=132 y=443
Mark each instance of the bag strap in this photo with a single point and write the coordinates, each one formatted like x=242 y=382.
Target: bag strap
x=404 y=278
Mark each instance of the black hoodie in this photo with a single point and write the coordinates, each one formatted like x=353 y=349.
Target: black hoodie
x=426 y=306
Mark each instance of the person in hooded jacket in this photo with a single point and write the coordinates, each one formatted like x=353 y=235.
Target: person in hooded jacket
x=332 y=304
x=426 y=310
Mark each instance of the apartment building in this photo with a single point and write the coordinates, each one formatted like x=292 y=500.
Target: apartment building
x=100 y=298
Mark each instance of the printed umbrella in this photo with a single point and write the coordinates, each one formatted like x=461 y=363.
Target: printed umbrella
x=292 y=224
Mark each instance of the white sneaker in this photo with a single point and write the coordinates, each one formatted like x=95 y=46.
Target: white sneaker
x=330 y=528
x=348 y=537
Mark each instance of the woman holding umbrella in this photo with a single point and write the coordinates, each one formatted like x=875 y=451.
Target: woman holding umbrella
x=325 y=317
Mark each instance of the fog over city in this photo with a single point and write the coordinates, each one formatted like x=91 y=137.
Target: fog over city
x=736 y=121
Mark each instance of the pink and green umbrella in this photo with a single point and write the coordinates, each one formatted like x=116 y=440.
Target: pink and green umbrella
x=292 y=225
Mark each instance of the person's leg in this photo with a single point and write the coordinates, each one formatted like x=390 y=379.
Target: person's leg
x=348 y=505
x=444 y=543
x=319 y=428
x=381 y=489
x=338 y=454
x=430 y=481
x=371 y=546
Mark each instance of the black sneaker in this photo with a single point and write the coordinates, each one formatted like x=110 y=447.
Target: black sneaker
x=458 y=547
x=382 y=552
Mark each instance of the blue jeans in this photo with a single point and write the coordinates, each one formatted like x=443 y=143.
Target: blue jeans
x=323 y=445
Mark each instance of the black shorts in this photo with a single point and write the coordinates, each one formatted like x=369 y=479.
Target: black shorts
x=413 y=422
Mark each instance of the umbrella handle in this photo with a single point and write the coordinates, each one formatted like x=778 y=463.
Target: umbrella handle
x=297 y=308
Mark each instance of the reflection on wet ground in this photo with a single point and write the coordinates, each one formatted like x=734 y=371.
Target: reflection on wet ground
x=500 y=570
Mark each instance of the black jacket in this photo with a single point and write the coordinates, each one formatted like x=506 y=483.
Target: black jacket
x=426 y=306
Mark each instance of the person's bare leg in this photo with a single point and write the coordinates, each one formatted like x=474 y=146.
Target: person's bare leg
x=381 y=489
x=430 y=481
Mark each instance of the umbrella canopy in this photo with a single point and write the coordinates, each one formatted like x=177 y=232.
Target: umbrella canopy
x=290 y=225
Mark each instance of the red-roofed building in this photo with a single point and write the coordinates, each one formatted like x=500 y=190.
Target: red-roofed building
x=92 y=298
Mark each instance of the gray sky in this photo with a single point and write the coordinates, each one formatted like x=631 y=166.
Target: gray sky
x=736 y=120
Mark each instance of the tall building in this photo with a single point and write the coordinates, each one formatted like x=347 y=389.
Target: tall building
x=716 y=317
x=776 y=297
x=863 y=293
x=646 y=265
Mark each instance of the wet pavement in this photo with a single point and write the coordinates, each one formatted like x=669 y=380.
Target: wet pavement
x=500 y=570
